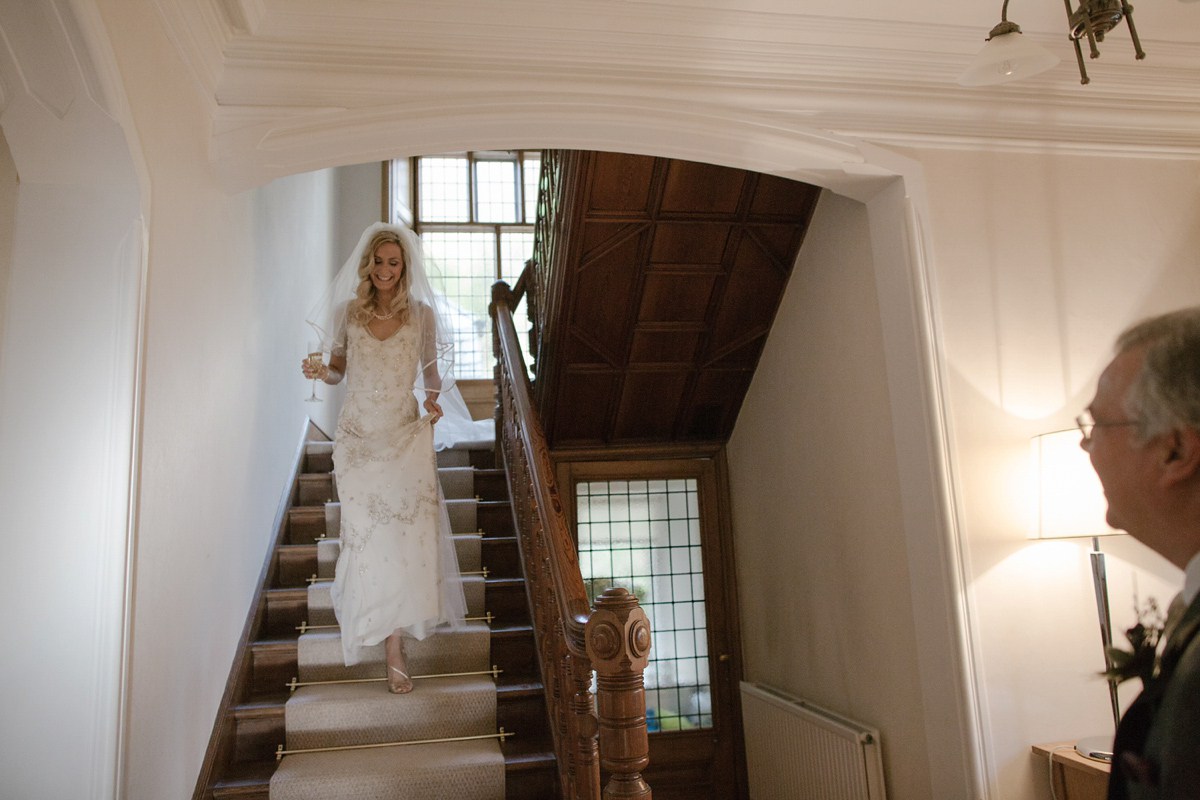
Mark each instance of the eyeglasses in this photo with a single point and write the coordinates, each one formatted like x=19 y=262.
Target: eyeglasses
x=1086 y=423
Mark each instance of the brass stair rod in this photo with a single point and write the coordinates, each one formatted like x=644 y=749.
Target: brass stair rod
x=294 y=684
x=501 y=735
x=318 y=579
x=304 y=627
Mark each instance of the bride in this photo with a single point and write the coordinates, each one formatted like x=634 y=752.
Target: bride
x=397 y=574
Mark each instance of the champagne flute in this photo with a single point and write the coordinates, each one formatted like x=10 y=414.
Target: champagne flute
x=315 y=360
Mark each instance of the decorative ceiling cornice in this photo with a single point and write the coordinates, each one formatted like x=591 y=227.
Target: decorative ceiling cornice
x=243 y=16
x=270 y=69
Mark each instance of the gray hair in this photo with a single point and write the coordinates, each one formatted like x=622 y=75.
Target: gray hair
x=1166 y=392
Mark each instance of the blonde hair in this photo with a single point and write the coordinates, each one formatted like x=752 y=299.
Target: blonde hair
x=364 y=307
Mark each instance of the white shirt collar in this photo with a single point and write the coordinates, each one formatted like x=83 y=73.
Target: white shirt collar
x=1191 y=580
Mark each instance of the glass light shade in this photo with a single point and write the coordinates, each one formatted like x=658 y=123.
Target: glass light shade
x=1007 y=57
x=1070 y=500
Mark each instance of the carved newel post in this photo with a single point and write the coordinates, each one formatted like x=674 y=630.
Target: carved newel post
x=618 y=644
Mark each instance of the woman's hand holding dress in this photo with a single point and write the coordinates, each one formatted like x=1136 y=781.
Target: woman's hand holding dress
x=433 y=408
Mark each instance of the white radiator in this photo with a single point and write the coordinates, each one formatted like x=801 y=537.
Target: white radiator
x=798 y=751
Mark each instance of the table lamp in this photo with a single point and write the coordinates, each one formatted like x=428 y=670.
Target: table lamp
x=1071 y=505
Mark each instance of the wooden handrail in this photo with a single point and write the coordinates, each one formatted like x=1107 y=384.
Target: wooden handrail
x=571 y=638
x=564 y=564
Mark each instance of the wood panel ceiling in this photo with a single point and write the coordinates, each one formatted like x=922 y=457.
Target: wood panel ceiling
x=671 y=274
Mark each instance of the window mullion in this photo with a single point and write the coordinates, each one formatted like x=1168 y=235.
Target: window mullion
x=414 y=193
x=519 y=193
x=472 y=216
x=499 y=254
x=521 y=186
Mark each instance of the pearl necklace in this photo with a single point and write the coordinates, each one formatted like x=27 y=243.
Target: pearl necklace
x=384 y=317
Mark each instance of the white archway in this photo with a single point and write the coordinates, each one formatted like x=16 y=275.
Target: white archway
x=254 y=155
x=890 y=187
x=42 y=130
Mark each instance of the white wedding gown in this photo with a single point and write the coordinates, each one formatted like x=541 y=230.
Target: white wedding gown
x=397 y=568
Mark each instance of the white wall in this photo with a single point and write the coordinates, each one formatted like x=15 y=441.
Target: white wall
x=822 y=565
x=230 y=280
x=8 y=216
x=1039 y=262
x=359 y=202
x=70 y=246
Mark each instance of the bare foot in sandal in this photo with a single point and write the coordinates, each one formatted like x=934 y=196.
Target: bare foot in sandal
x=398 y=680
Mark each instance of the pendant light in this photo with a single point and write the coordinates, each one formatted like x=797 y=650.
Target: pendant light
x=1092 y=20
x=1007 y=56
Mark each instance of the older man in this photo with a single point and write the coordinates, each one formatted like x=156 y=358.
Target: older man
x=1142 y=432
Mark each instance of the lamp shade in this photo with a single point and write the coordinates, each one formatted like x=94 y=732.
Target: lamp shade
x=1007 y=57
x=1070 y=500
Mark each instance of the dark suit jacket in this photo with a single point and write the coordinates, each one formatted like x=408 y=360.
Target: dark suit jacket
x=1156 y=754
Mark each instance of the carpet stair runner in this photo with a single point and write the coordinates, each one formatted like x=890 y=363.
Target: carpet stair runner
x=298 y=642
x=329 y=715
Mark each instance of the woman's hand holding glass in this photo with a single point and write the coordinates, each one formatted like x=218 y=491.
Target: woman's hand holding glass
x=314 y=368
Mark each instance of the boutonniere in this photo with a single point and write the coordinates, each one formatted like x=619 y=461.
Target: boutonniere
x=1141 y=660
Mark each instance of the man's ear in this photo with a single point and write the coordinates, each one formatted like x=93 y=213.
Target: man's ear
x=1181 y=461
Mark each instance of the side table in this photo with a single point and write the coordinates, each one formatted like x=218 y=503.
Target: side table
x=1076 y=777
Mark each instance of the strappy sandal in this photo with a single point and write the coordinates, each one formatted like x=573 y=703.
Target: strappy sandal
x=399 y=688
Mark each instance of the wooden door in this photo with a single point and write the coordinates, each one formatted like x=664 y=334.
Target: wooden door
x=660 y=528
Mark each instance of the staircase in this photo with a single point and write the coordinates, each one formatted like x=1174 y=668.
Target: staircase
x=298 y=695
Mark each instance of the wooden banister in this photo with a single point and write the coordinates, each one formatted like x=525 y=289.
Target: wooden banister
x=571 y=637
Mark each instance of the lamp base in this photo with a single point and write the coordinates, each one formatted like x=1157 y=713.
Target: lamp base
x=1097 y=747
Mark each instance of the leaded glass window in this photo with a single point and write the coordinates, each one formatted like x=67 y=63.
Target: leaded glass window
x=475 y=213
x=644 y=536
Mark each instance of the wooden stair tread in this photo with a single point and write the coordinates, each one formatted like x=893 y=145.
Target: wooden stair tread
x=518 y=688
x=262 y=707
x=309 y=511
x=245 y=779
x=523 y=754
x=285 y=647
x=504 y=583
x=506 y=631
x=288 y=592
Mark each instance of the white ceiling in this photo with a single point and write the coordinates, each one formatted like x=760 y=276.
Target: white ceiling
x=1168 y=20
x=294 y=71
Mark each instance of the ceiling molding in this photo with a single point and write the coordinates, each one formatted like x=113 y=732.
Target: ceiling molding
x=41 y=56
x=996 y=144
x=199 y=31
x=243 y=16
x=98 y=86
x=289 y=77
